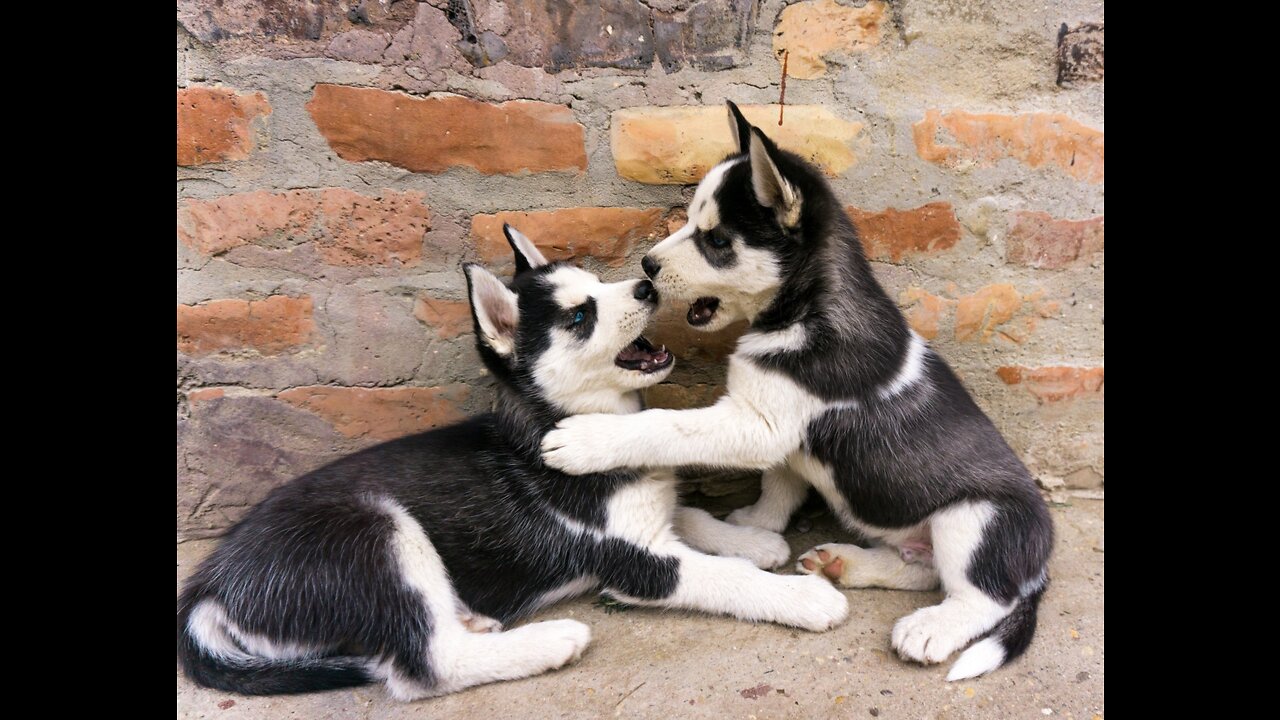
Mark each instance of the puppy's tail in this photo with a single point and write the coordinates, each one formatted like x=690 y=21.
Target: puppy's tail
x=1004 y=642
x=210 y=657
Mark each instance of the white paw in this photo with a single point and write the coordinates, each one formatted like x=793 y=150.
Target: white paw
x=563 y=640
x=746 y=517
x=581 y=444
x=930 y=635
x=765 y=549
x=480 y=623
x=813 y=604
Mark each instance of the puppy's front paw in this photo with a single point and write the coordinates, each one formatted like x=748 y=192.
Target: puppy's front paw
x=766 y=550
x=580 y=444
x=814 y=605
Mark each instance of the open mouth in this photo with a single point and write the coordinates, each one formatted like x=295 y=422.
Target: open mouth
x=702 y=310
x=641 y=355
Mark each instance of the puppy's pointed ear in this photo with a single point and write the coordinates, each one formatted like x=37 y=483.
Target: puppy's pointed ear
x=772 y=189
x=527 y=254
x=738 y=127
x=494 y=308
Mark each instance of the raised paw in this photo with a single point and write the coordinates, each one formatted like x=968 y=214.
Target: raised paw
x=579 y=445
x=477 y=623
x=813 y=604
x=765 y=549
x=823 y=561
x=930 y=635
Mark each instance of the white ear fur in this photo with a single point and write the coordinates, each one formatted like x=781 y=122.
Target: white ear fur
x=772 y=190
x=523 y=247
x=495 y=309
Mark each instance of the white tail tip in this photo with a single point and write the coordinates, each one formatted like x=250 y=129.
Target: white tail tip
x=980 y=659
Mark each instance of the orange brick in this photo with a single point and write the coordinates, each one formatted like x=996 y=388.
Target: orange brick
x=1035 y=139
x=269 y=326
x=381 y=413
x=217 y=124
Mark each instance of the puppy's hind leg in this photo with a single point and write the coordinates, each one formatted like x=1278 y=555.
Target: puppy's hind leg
x=765 y=549
x=466 y=658
x=781 y=492
x=853 y=567
x=932 y=634
x=438 y=653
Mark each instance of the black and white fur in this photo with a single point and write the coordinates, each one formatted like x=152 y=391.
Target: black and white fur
x=404 y=562
x=830 y=388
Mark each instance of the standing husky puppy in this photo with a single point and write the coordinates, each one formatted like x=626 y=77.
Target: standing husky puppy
x=830 y=388
x=403 y=562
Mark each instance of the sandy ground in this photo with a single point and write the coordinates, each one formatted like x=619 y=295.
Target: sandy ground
x=654 y=664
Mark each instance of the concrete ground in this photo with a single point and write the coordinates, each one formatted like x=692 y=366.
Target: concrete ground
x=652 y=664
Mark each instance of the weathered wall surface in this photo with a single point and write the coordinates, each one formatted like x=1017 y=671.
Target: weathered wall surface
x=338 y=161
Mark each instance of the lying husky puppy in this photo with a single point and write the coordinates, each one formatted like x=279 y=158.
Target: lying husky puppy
x=830 y=388
x=402 y=563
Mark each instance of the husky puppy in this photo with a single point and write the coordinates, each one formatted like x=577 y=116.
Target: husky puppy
x=830 y=388
x=403 y=563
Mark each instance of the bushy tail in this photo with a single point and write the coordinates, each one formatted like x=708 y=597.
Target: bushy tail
x=212 y=659
x=1004 y=642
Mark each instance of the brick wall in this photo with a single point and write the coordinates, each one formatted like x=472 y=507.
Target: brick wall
x=338 y=161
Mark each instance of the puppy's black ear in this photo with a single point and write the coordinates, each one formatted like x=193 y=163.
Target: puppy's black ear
x=494 y=308
x=738 y=127
x=772 y=189
x=527 y=254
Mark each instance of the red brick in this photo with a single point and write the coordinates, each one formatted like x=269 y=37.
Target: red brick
x=1039 y=240
x=217 y=124
x=1054 y=383
x=347 y=228
x=1035 y=139
x=606 y=234
x=450 y=318
x=434 y=134
x=381 y=413
x=360 y=230
x=269 y=326
x=890 y=235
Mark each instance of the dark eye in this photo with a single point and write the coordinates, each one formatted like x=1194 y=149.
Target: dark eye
x=578 y=317
x=718 y=241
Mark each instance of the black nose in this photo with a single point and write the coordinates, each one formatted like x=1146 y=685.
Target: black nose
x=650 y=266
x=644 y=291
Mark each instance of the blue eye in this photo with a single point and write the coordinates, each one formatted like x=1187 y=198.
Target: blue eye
x=718 y=241
x=578 y=317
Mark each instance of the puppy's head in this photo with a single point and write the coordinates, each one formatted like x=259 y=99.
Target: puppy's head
x=744 y=226
x=559 y=332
